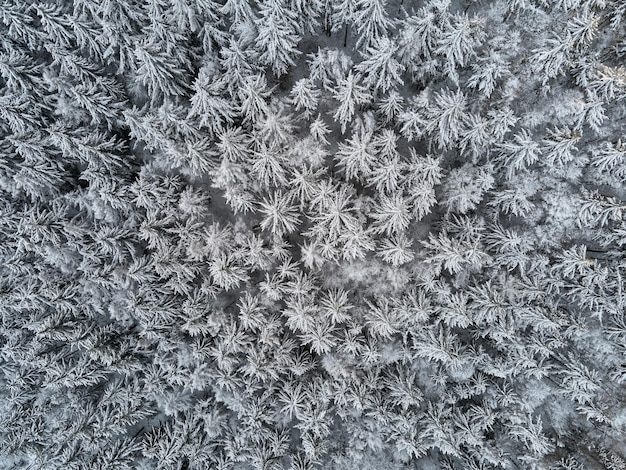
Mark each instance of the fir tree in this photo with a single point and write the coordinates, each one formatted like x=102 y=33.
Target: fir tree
x=253 y=94
x=280 y=216
x=305 y=97
x=277 y=36
x=356 y=158
x=371 y=21
x=446 y=117
x=380 y=68
x=349 y=94
x=161 y=78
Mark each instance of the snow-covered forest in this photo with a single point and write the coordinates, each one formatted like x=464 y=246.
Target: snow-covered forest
x=312 y=234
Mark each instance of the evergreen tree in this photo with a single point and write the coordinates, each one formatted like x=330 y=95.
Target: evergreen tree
x=459 y=39
x=380 y=69
x=465 y=187
x=371 y=21
x=280 y=217
x=161 y=78
x=253 y=94
x=356 y=157
x=208 y=105
x=446 y=117
x=305 y=97
x=349 y=94
x=277 y=38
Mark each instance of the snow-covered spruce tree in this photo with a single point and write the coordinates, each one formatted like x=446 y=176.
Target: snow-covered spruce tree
x=349 y=94
x=277 y=37
x=380 y=68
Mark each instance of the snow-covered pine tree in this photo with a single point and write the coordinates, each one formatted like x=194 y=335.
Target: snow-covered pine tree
x=446 y=117
x=162 y=78
x=454 y=255
x=280 y=216
x=343 y=12
x=209 y=105
x=419 y=33
x=350 y=94
x=235 y=60
x=390 y=106
x=610 y=158
x=519 y=153
x=392 y=215
x=559 y=146
x=277 y=38
x=329 y=66
x=253 y=93
x=396 y=250
x=305 y=97
x=380 y=69
x=319 y=130
x=459 y=39
x=357 y=157
x=487 y=72
x=550 y=59
x=371 y=21
x=465 y=187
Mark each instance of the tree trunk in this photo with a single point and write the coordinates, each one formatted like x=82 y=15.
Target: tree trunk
x=328 y=25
